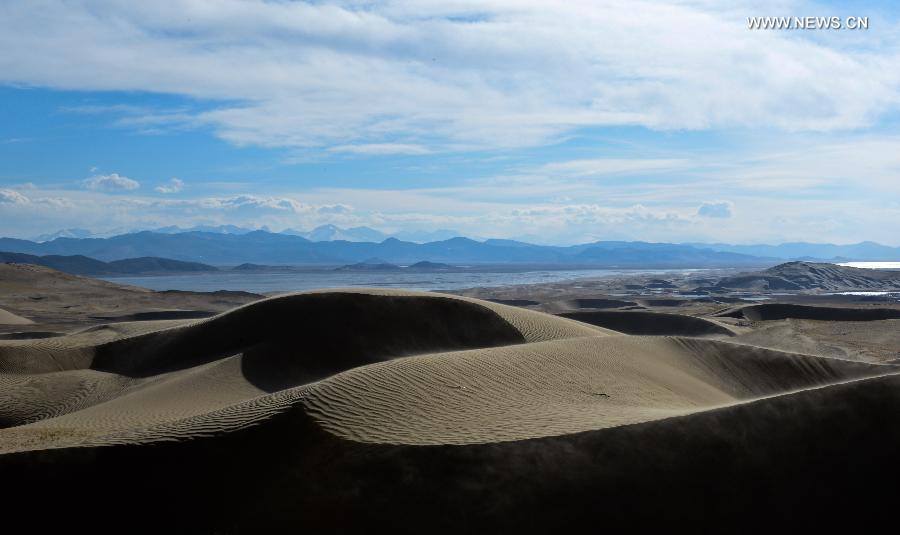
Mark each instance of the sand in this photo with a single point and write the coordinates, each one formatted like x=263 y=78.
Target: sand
x=8 y=318
x=346 y=409
x=56 y=301
x=384 y=367
x=653 y=323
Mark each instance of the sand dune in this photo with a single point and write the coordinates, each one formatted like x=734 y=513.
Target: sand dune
x=813 y=276
x=60 y=301
x=474 y=372
x=321 y=401
x=556 y=388
x=651 y=323
x=123 y=378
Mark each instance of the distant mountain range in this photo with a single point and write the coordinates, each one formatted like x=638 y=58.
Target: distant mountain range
x=863 y=251
x=320 y=233
x=261 y=247
x=65 y=233
x=83 y=265
x=366 y=234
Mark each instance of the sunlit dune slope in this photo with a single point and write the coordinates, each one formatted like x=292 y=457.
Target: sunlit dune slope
x=377 y=366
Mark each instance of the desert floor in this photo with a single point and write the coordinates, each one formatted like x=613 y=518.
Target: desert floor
x=611 y=404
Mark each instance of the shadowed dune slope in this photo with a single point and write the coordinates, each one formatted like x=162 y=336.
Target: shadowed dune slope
x=811 y=460
x=340 y=330
x=158 y=315
x=30 y=335
x=144 y=374
x=780 y=311
x=335 y=410
x=474 y=372
x=598 y=303
x=650 y=323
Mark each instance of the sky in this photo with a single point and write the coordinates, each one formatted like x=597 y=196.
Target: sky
x=551 y=122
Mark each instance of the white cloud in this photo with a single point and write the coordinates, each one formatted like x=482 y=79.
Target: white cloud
x=611 y=166
x=414 y=76
x=719 y=209
x=592 y=216
x=335 y=209
x=110 y=182
x=173 y=186
x=245 y=203
x=8 y=196
x=377 y=149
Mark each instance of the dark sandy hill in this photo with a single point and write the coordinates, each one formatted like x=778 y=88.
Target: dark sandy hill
x=650 y=323
x=599 y=303
x=52 y=300
x=813 y=276
x=83 y=265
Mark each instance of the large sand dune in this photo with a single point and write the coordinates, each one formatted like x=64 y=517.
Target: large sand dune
x=354 y=405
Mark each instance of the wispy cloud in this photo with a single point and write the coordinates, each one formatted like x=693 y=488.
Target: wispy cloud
x=612 y=166
x=110 y=182
x=719 y=209
x=350 y=76
x=381 y=149
x=8 y=196
x=174 y=185
x=564 y=221
x=789 y=115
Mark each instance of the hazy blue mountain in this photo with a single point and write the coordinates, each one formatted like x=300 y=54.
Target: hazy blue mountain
x=507 y=243
x=83 y=265
x=65 y=233
x=217 y=229
x=263 y=247
x=367 y=234
x=430 y=266
x=425 y=236
x=638 y=253
x=862 y=251
x=334 y=233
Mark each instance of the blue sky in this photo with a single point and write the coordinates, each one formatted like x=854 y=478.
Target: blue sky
x=547 y=121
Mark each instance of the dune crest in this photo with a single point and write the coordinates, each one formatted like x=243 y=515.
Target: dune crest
x=377 y=366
